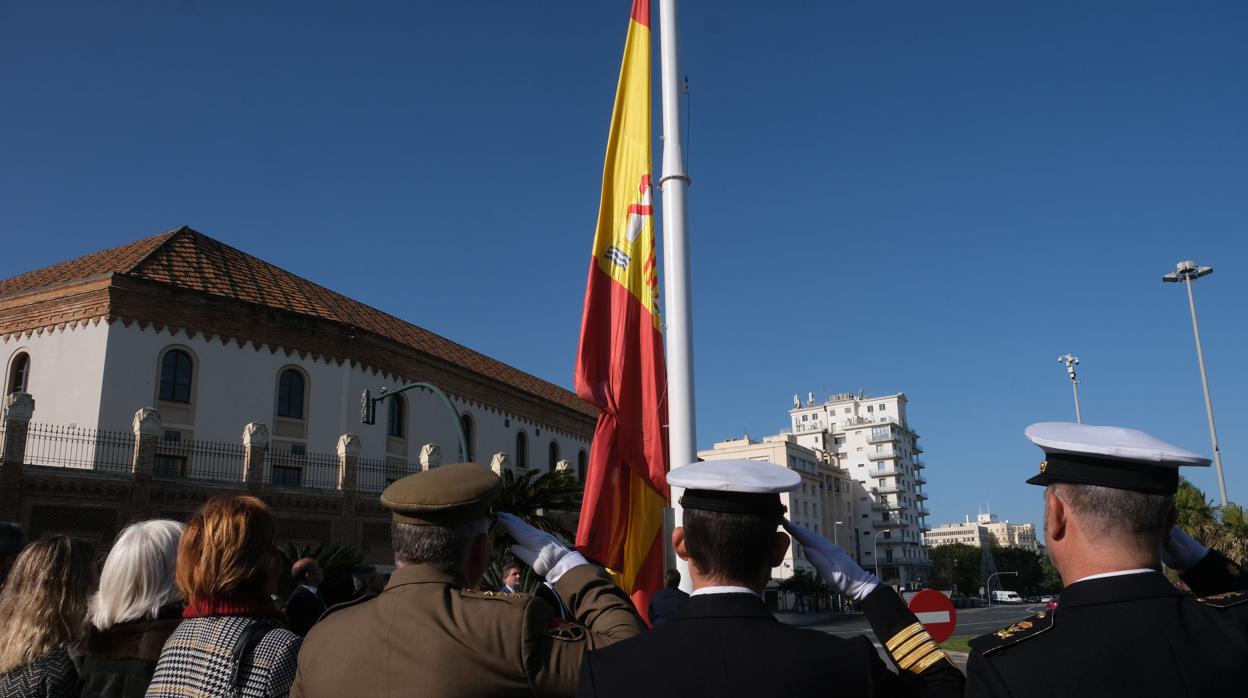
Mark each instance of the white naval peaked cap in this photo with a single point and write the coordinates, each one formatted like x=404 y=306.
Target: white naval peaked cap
x=734 y=486
x=1115 y=457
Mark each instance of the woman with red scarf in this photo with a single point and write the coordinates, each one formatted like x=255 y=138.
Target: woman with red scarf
x=232 y=640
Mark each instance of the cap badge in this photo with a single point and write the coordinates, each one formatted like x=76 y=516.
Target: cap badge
x=1044 y=465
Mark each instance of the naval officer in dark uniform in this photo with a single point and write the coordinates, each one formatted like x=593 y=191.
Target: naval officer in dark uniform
x=1121 y=628
x=431 y=633
x=723 y=641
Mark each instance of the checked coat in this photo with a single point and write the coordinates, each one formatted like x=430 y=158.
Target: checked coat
x=198 y=660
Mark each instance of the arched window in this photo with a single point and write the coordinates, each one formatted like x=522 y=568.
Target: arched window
x=290 y=393
x=522 y=451
x=176 y=368
x=465 y=422
x=396 y=418
x=582 y=465
x=554 y=454
x=19 y=374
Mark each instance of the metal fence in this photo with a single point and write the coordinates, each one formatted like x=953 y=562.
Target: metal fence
x=375 y=474
x=289 y=468
x=79 y=448
x=198 y=460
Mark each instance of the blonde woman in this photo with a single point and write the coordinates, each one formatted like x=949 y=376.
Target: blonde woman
x=42 y=612
x=136 y=609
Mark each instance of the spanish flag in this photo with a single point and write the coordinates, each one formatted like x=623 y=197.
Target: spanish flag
x=619 y=366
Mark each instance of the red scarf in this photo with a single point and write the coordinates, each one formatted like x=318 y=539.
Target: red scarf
x=239 y=602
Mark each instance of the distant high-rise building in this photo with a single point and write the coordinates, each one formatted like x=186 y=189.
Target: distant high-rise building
x=871 y=439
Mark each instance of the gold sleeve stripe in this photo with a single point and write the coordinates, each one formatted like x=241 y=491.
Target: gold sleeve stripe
x=909 y=660
x=902 y=636
x=911 y=645
x=929 y=660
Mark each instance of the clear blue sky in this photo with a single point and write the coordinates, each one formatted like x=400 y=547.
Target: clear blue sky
x=934 y=198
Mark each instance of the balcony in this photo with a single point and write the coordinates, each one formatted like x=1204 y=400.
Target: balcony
x=919 y=465
x=886 y=489
x=886 y=454
x=884 y=472
x=920 y=495
x=881 y=436
x=891 y=523
x=924 y=512
x=883 y=506
x=917 y=448
x=919 y=479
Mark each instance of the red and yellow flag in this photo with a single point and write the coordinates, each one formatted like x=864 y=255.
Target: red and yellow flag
x=619 y=365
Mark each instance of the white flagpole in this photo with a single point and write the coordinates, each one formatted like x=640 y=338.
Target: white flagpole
x=674 y=183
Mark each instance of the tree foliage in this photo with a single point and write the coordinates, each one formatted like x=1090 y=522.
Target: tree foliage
x=1221 y=528
x=957 y=566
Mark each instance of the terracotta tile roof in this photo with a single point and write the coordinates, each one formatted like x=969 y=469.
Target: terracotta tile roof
x=187 y=259
x=116 y=260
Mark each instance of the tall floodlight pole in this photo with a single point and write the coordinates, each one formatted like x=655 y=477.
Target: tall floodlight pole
x=674 y=183
x=1071 y=362
x=1187 y=272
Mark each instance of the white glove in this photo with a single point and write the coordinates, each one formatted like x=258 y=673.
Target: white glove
x=1180 y=551
x=834 y=564
x=546 y=554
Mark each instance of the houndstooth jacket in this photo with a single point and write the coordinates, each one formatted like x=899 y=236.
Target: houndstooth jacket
x=197 y=660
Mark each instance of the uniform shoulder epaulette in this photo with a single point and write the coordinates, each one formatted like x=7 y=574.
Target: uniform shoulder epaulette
x=1019 y=631
x=346 y=604
x=1230 y=598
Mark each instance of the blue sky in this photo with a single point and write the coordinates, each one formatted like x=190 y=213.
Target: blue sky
x=932 y=198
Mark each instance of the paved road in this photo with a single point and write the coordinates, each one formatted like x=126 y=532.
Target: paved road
x=971 y=621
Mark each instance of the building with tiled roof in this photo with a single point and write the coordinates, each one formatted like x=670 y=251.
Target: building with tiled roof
x=214 y=338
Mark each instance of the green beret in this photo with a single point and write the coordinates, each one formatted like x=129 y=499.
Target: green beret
x=445 y=496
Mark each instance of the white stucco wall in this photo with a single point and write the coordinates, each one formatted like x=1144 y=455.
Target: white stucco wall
x=234 y=385
x=66 y=367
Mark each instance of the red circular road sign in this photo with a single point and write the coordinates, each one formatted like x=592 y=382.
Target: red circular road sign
x=935 y=611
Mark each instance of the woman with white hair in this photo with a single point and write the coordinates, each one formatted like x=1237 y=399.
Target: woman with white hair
x=134 y=612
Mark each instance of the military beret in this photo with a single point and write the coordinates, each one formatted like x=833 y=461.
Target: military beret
x=1124 y=459
x=445 y=496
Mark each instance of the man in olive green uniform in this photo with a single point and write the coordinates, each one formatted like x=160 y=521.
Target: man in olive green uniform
x=430 y=633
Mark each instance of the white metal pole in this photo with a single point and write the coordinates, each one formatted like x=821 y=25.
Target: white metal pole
x=1078 y=416
x=1204 y=383
x=674 y=183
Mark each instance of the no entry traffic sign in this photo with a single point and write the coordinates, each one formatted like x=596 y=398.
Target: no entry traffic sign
x=935 y=611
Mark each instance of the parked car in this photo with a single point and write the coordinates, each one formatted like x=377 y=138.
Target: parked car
x=1051 y=604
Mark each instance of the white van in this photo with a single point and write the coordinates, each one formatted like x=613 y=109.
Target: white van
x=1006 y=597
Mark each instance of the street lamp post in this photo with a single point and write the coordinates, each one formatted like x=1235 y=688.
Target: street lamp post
x=836 y=525
x=877 y=550
x=1187 y=271
x=1071 y=362
x=994 y=574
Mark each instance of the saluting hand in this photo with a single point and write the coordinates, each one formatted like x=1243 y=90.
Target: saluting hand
x=1180 y=551
x=546 y=554
x=834 y=564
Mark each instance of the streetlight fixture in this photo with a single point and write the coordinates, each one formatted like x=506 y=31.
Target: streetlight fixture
x=994 y=574
x=1071 y=362
x=877 y=550
x=1187 y=271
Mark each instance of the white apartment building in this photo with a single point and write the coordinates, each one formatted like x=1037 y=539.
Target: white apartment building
x=986 y=530
x=871 y=439
x=825 y=501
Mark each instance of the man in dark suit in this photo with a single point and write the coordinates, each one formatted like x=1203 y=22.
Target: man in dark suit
x=724 y=642
x=668 y=601
x=1121 y=628
x=305 y=605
